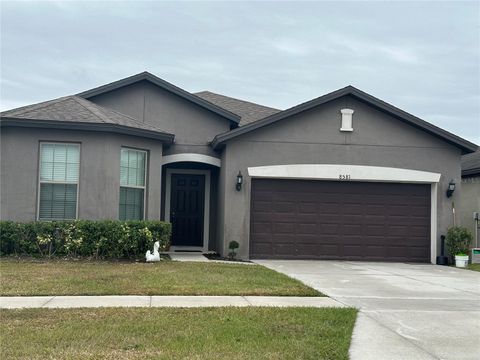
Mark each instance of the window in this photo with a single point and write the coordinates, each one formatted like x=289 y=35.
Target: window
x=132 y=184
x=59 y=169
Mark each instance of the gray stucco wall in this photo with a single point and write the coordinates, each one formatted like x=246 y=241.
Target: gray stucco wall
x=194 y=127
x=469 y=203
x=313 y=137
x=99 y=182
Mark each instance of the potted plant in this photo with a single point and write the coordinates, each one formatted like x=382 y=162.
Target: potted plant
x=233 y=246
x=458 y=242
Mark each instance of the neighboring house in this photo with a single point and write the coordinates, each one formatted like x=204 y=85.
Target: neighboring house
x=343 y=176
x=470 y=194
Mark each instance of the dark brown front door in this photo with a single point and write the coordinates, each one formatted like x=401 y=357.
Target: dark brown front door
x=187 y=209
x=295 y=219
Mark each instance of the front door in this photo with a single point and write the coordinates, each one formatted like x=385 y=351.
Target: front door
x=187 y=203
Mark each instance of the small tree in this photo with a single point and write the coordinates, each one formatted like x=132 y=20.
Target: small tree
x=458 y=240
x=233 y=246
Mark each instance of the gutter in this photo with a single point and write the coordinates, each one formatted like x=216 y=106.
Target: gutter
x=86 y=126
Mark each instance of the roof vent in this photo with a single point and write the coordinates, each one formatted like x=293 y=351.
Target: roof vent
x=346 y=120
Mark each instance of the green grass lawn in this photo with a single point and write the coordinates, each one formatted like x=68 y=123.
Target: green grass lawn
x=474 y=267
x=160 y=333
x=61 y=277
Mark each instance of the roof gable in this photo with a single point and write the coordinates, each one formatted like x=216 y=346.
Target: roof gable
x=146 y=76
x=465 y=145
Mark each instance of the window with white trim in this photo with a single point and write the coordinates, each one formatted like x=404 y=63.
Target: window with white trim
x=58 y=185
x=132 y=184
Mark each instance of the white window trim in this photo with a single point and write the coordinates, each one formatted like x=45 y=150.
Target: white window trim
x=334 y=172
x=144 y=187
x=40 y=181
x=206 y=208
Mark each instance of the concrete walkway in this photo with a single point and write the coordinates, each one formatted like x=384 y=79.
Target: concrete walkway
x=407 y=311
x=17 y=302
x=199 y=257
x=187 y=256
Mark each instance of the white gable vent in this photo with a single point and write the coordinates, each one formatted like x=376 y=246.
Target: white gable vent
x=346 y=120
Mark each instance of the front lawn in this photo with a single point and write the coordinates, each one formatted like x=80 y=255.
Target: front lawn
x=200 y=333
x=61 y=277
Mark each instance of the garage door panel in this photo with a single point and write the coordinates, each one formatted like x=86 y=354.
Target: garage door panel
x=374 y=230
x=329 y=249
x=340 y=220
x=284 y=228
x=352 y=229
x=259 y=227
x=328 y=229
x=307 y=208
x=327 y=218
x=284 y=249
x=353 y=219
x=262 y=206
x=372 y=209
x=421 y=211
x=309 y=228
x=352 y=209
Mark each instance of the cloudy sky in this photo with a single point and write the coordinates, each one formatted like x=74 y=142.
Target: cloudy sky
x=422 y=57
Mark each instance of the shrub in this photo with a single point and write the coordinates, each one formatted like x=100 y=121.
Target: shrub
x=233 y=246
x=458 y=240
x=86 y=238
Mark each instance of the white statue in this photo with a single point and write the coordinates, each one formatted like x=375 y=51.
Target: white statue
x=156 y=255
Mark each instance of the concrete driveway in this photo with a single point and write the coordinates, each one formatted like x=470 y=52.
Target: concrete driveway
x=407 y=311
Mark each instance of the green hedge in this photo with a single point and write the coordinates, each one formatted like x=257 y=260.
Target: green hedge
x=85 y=238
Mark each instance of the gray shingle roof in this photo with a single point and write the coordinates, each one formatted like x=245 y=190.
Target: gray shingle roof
x=76 y=110
x=471 y=164
x=248 y=111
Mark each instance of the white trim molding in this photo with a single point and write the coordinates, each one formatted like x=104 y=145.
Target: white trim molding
x=334 y=172
x=191 y=157
x=433 y=222
x=206 y=214
x=343 y=172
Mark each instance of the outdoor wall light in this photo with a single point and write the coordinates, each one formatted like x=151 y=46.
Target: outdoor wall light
x=238 y=185
x=451 y=188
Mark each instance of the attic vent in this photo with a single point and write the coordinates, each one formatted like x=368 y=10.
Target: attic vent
x=346 y=120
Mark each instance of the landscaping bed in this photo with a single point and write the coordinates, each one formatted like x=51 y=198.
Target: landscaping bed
x=201 y=333
x=29 y=277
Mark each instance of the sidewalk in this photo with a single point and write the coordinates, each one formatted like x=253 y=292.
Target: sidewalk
x=17 y=302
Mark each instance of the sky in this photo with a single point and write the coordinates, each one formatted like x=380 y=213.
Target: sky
x=421 y=56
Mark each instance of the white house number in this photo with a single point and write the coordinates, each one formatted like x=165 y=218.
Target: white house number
x=344 y=176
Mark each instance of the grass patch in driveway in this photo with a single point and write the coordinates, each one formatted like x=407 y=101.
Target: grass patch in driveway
x=60 y=277
x=474 y=267
x=200 y=333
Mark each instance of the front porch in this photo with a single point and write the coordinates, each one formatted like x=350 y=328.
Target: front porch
x=189 y=201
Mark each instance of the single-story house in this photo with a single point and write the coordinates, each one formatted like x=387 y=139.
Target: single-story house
x=343 y=176
x=469 y=210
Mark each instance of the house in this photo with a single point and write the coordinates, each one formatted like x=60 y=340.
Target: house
x=470 y=195
x=343 y=176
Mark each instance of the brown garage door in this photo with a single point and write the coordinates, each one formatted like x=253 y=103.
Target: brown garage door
x=297 y=219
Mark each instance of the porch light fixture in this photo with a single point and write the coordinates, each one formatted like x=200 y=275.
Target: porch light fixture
x=451 y=188
x=239 y=182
